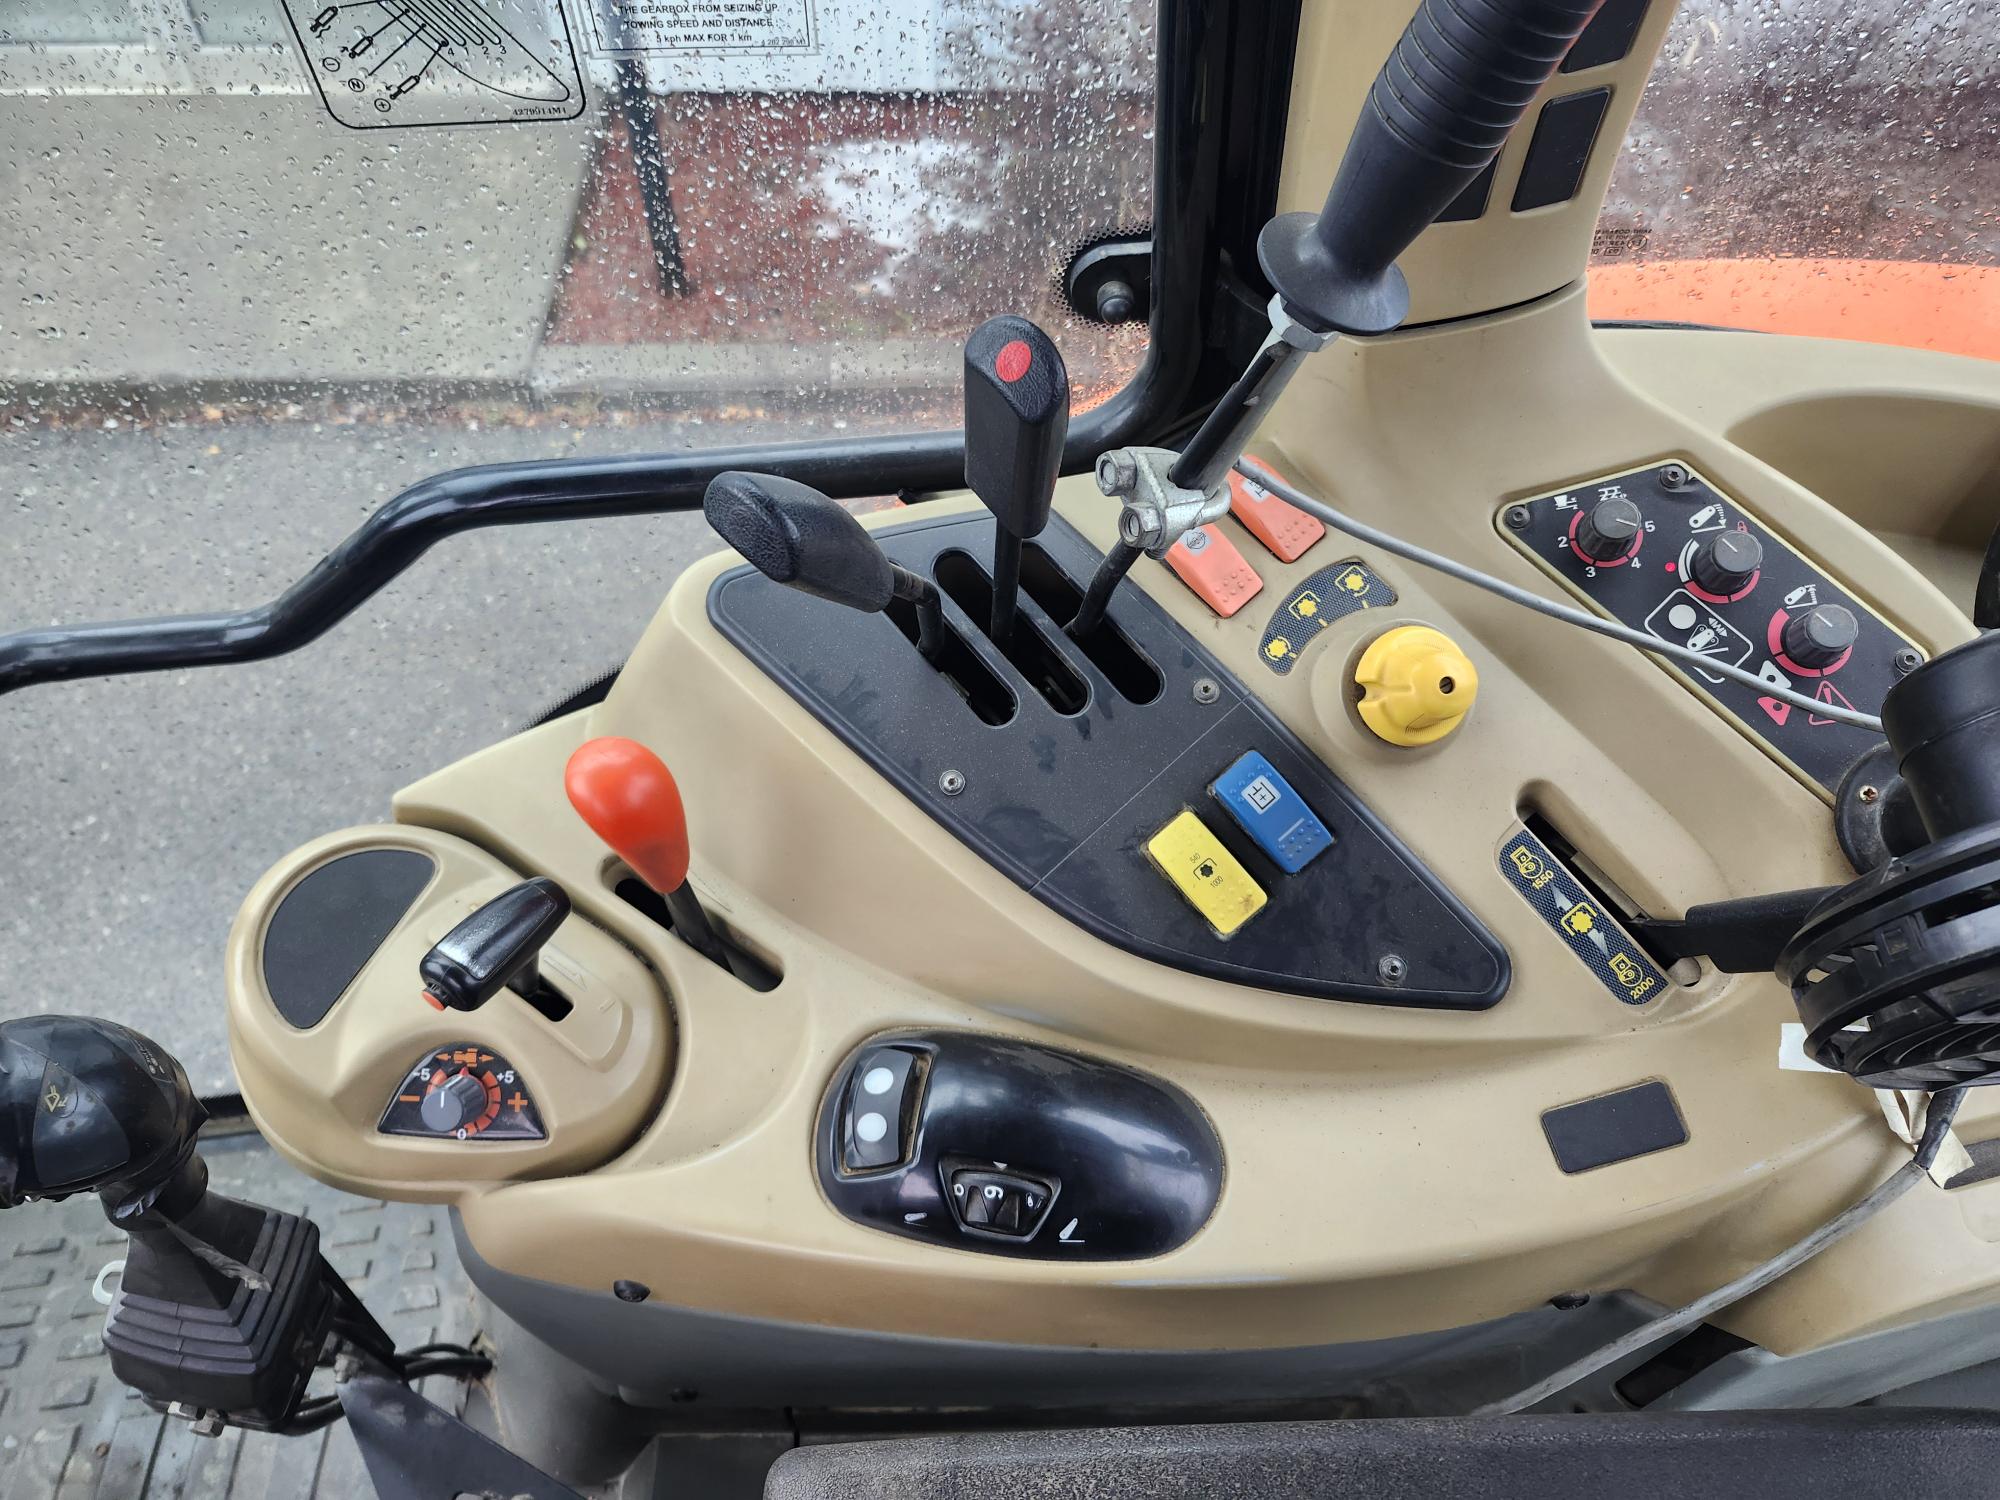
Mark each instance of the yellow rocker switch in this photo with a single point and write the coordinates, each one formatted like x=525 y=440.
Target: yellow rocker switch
x=1207 y=874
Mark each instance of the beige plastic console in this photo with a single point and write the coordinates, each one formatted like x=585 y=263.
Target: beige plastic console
x=317 y=1094
x=1386 y=1169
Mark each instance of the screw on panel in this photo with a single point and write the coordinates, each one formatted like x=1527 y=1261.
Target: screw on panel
x=1206 y=690
x=1869 y=794
x=951 y=782
x=1392 y=968
x=1569 y=1301
x=1675 y=477
x=631 y=1291
x=1907 y=661
x=1518 y=517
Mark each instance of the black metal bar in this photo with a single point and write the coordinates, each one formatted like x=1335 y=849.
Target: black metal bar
x=641 y=113
x=1103 y=583
x=1006 y=585
x=1200 y=43
x=1210 y=454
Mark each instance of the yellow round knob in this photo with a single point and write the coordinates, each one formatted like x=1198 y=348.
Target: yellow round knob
x=1416 y=685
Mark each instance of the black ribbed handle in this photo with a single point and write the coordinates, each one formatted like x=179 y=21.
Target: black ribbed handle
x=1458 y=82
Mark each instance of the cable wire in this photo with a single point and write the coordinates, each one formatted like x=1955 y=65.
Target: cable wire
x=1937 y=1125
x=1527 y=599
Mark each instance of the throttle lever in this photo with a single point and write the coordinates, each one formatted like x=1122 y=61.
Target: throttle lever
x=630 y=800
x=495 y=948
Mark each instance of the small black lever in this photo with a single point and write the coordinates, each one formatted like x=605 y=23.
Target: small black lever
x=495 y=948
x=1016 y=420
x=796 y=536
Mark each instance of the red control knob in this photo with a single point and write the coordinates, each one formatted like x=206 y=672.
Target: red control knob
x=629 y=798
x=627 y=795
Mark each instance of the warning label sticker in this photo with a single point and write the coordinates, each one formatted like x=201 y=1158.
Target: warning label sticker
x=628 y=28
x=1330 y=594
x=1580 y=920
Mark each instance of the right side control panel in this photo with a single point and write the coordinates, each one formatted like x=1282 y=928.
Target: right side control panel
x=1661 y=550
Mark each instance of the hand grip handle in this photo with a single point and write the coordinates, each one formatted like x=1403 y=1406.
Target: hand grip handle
x=794 y=535
x=1016 y=418
x=1458 y=82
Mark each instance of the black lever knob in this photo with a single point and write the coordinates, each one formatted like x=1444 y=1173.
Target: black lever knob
x=87 y=1106
x=1016 y=421
x=796 y=536
x=1821 y=636
x=1606 y=531
x=1725 y=562
x=495 y=947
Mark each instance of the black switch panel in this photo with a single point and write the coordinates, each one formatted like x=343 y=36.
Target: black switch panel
x=1027 y=1151
x=1654 y=585
x=1006 y=1204
x=879 y=1107
x=1062 y=802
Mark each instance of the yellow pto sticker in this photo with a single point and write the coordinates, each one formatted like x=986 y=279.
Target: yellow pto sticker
x=1587 y=930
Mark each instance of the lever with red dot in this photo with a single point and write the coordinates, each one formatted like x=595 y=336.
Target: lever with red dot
x=630 y=800
x=1016 y=420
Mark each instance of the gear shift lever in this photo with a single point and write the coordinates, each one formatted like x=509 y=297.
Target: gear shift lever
x=1016 y=419
x=628 y=797
x=796 y=536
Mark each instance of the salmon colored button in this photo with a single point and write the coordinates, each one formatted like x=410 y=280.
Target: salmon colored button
x=1208 y=562
x=1278 y=524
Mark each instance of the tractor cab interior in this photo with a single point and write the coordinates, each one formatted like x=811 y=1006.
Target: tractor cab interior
x=1400 y=898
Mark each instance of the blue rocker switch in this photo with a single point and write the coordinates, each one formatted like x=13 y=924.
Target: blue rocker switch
x=1264 y=806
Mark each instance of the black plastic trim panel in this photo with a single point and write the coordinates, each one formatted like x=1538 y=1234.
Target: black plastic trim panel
x=1608 y=37
x=329 y=925
x=1614 y=1127
x=1063 y=803
x=1565 y=134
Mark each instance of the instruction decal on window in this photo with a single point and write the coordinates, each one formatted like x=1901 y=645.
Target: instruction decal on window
x=630 y=27
x=393 y=64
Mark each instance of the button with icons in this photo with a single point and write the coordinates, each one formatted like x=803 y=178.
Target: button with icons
x=1287 y=532
x=1212 y=880
x=881 y=1096
x=1208 y=562
x=994 y=1199
x=1264 y=805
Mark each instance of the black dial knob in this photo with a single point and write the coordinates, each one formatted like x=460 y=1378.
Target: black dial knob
x=1820 y=636
x=1726 y=562
x=454 y=1104
x=1605 y=532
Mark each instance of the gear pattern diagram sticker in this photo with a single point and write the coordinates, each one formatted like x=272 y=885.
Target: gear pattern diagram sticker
x=396 y=64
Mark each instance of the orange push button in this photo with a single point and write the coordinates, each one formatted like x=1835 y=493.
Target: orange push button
x=1278 y=524
x=1208 y=562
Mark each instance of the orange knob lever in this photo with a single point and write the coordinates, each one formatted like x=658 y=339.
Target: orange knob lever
x=627 y=795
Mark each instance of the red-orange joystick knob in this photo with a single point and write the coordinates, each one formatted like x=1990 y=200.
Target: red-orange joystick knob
x=630 y=800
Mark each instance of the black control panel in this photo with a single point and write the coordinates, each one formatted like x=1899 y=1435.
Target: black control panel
x=1128 y=782
x=1661 y=550
x=998 y=1146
